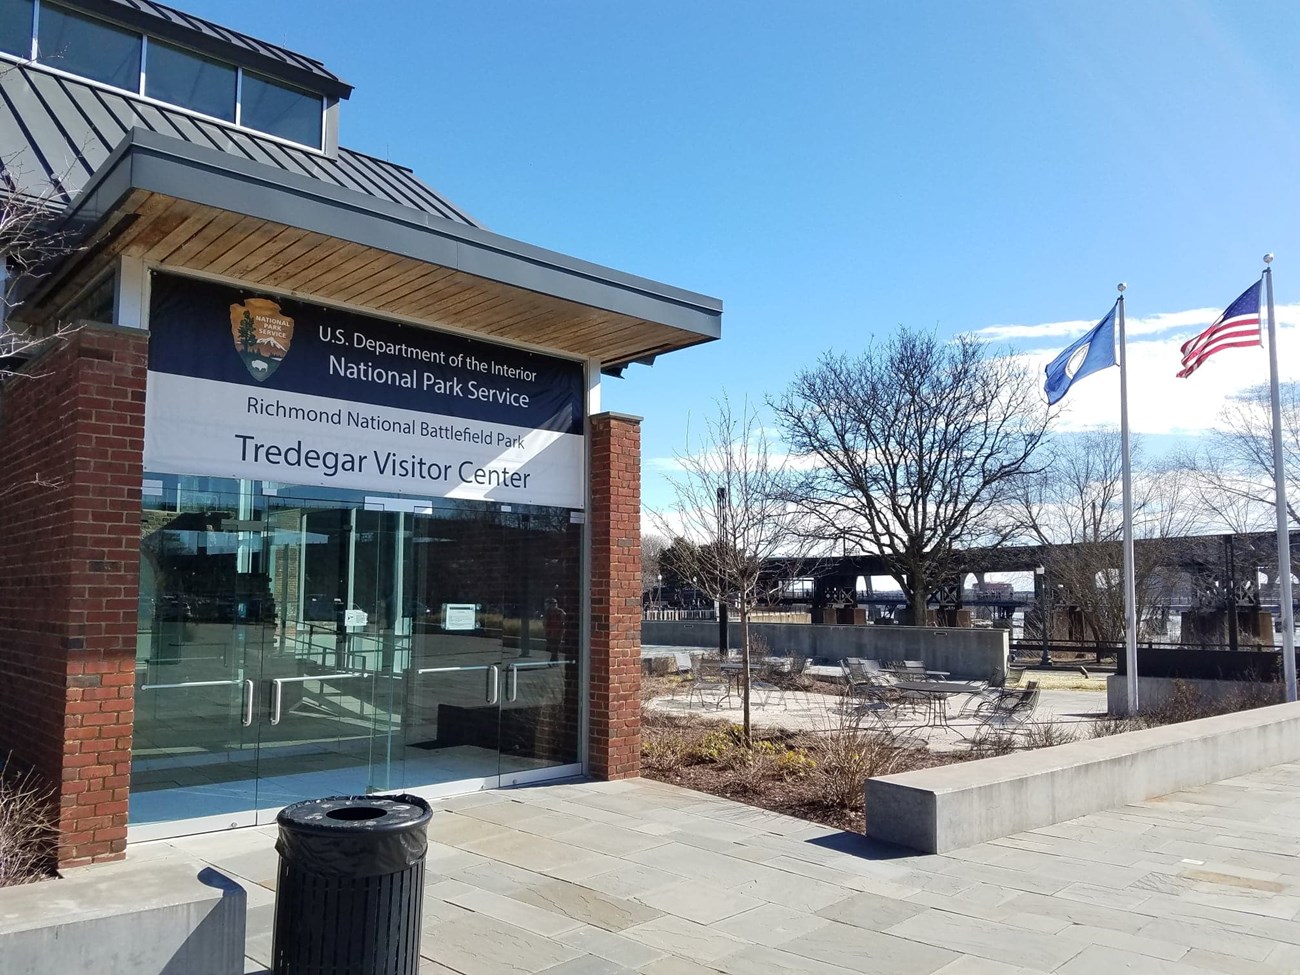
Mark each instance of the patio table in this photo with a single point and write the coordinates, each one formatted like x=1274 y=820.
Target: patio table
x=936 y=693
x=929 y=674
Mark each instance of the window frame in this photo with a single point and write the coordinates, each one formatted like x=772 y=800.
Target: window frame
x=139 y=93
x=150 y=42
x=275 y=82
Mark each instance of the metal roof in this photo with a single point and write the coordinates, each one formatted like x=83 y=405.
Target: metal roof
x=56 y=132
x=221 y=42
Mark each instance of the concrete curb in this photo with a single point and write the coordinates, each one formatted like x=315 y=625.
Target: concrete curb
x=941 y=809
x=163 y=916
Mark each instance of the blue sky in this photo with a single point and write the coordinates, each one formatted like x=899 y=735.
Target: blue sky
x=833 y=169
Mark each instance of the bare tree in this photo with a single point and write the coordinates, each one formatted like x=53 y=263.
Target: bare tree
x=1073 y=506
x=729 y=501
x=913 y=449
x=652 y=550
x=1234 y=468
x=31 y=239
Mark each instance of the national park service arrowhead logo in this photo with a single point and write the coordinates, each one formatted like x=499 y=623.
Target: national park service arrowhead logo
x=262 y=335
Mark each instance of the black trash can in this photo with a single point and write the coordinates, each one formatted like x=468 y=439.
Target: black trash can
x=351 y=886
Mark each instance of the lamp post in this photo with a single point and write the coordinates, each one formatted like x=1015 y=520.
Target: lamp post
x=722 y=593
x=1045 y=597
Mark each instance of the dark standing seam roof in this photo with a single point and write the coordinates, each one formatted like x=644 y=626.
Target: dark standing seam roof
x=58 y=131
x=195 y=32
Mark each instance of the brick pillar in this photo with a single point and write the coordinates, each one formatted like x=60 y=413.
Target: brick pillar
x=614 y=742
x=71 y=438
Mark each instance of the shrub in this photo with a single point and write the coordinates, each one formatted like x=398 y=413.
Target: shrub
x=26 y=827
x=1184 y=703
x=1112 y=725
x=666 y=749
x=992 y=742
x=847 y=755
x=795 y=763
x=1047 y=734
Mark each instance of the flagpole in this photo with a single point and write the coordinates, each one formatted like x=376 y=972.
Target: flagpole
x=1279 y=488
x=1130 y=587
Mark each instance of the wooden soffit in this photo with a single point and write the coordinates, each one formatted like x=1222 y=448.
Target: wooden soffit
x=322 y=248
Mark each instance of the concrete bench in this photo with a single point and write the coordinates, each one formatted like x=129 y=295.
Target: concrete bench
x=155 y=916
x=941 y=809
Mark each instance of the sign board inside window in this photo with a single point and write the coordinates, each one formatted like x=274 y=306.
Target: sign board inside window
x=459 y=616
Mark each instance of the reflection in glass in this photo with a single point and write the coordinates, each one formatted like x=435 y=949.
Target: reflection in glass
x=88 y=47
x=297 y=642
x=269 y=106
x=183 y=78
x=16 y=27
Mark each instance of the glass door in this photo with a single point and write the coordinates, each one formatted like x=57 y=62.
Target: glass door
x=539 y=706
x=453 y=600
x=327 y=715
x=300 y=642
x=267 y=669
x=206 y=616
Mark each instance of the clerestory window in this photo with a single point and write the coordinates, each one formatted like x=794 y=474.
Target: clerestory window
x=64 y=39
x=173 y=74
x=88 y=47
x=16 y=27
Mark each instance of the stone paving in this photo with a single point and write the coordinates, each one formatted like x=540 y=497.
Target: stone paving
x=1074 y=711
x=640 y=877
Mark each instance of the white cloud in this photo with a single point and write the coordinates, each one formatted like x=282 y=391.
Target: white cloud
x=1190 y=321
x=776 y=459
x=1158 y=401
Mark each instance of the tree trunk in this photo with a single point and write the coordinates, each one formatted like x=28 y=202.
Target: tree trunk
x=744 y=668
x=917 y=594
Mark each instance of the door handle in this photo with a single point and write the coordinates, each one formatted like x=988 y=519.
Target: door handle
x=494 y=675
x=512 y=691
x=277 y=687
x=248 y=703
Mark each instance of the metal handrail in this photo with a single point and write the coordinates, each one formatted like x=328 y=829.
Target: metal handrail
x=494 y=675
x=277 y=686
x=512 y=691
x=192 y=683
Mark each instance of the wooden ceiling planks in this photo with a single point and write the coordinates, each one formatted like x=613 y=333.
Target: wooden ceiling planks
x=185 y=236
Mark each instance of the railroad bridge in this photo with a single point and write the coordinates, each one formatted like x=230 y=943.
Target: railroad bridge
x=1215 y=572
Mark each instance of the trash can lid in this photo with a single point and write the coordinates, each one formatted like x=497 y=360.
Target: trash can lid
x=354 y=814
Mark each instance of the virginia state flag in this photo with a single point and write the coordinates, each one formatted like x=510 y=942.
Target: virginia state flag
x=1095 y=350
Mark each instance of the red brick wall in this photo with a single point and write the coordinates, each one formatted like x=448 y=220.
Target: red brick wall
x=614 y=742
x=71 y=435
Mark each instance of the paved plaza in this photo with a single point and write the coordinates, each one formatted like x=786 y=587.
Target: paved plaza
x=641 y=877
x=1072 y=711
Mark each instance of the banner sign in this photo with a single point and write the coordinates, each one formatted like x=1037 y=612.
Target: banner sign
x=242 y=384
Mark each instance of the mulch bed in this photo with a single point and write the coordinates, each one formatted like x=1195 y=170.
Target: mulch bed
x=686 y=752
x=793 y=797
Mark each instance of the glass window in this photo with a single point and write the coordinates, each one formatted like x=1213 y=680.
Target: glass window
x=269 y=106
x=88 y=47
x=97 y=304
x=177 y=76
x=16 y=27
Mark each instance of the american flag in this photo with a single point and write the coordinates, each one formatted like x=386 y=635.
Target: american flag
x=1236 y=328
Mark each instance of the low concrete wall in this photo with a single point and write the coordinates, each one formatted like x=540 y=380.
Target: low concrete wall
x=941 y=809
x=1156 y=691
x=966 y=653
x=160 y=916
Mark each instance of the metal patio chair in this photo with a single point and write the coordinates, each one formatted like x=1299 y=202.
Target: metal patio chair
x=1011 y=709
x=706 y=672
x=992 y=691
